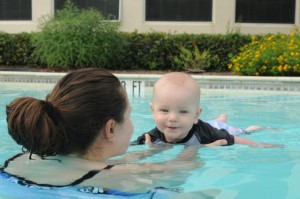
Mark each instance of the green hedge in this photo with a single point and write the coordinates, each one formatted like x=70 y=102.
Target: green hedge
x=148 y=51
x=15 y=49
x=156 y=50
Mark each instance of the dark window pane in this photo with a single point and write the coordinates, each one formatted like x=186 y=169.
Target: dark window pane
x=265 y=11
x=15 y=10
x=178 y=10
x=108 y=8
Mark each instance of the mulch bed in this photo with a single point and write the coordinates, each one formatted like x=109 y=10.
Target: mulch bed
x=37 y=69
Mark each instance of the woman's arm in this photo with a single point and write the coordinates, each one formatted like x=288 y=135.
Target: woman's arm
x=149 y=150
x=144 y=175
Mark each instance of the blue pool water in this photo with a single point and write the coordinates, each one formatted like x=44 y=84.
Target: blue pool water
x=236 y=171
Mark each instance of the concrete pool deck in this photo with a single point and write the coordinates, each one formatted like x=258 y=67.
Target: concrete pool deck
x=137 y=82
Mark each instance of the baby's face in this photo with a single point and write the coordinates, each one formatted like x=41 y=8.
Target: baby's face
x=175 y=111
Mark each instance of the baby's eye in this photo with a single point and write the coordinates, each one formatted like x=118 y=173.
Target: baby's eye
x=164 y=110
x=183 y=111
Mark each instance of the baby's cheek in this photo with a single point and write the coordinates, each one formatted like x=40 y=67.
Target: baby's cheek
x=158 y=117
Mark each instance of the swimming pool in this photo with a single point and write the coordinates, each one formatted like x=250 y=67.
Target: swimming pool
x=236 y=171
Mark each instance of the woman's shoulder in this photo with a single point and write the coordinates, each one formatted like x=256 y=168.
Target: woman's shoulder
x=50 y=170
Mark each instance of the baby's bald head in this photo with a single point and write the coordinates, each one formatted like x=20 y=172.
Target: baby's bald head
x=175 y=82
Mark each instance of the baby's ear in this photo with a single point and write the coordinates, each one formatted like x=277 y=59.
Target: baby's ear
x=199 y=110
x=151 y=106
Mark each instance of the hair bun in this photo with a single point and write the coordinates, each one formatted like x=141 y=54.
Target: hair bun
x=52 y=111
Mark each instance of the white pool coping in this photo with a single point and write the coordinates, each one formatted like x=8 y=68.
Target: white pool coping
x=155 y=76
x=148 y=80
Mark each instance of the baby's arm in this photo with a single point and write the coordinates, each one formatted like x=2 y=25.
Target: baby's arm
x=217 y=143
x=259 y=128
x=241 y=140
x=220 y=142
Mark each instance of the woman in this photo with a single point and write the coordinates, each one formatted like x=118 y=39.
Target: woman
x=74 y=132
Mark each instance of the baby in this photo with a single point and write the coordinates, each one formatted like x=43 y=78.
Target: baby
x=175 y=108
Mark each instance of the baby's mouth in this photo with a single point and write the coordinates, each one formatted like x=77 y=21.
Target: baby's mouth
x=170 y=127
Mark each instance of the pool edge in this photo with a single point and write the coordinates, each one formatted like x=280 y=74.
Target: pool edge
x=206 y=81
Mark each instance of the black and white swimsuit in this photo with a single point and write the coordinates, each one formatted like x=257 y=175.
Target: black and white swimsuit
x=48 y=188
x=200 y=133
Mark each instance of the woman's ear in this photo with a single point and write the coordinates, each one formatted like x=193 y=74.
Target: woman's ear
x=198 y=114
x=109 y=129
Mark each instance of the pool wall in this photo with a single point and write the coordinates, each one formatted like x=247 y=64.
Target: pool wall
x=137 y=83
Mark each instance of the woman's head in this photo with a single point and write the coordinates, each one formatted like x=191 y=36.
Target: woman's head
x=72 y=115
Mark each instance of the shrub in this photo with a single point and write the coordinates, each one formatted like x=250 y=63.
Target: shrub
x=6 y=41
x=15 y=49
x=273 y=54
x=193 y=59
x=217 y=44
x=78 y=38
x=149 y=50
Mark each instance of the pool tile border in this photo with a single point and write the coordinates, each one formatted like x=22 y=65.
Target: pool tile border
x=207 y=82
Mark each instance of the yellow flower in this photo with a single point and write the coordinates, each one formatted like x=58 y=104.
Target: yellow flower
x=279 y=68
x=264 y=68
x=280 y=58
x=292 y=34
x=286 y=67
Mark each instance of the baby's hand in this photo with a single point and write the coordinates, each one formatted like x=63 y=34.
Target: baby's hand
x=148 y=139
x=217 y=143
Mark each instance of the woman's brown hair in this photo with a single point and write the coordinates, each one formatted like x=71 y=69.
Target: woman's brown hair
x=71 y=116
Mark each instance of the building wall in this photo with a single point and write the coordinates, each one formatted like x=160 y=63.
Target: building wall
x=40 y=8
x=132 y=18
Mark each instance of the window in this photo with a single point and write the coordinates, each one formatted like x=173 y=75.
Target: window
x=178 y=10
x=265 y=11
x=108 y=8
x=15 y=10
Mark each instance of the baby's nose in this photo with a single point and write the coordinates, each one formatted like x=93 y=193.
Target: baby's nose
x=173 y=116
